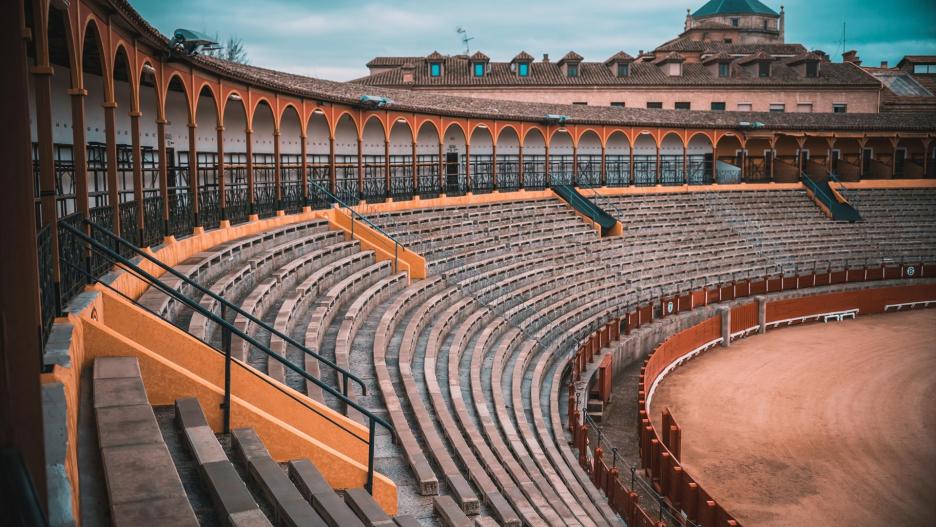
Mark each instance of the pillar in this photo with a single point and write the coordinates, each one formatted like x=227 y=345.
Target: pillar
x=659 y=169
x=80 y=151
x=360 y=168
x=546 y=166
x=415 y=168
x=685 y=163
x=631 y=178
x=604 y=168
x=222 y=197
x=332 y=173
x=20 y=345
x=761 y=313
x=304 y=167
x=520 y=168
x=277 y=170
x=442 y=174
x=387 y=167
x=110 y=135
x=193 y=175
x=137 y=175
x=725 y=313
x=575 y=168
x=468 y=166
x=743 y=163
x=251 y=197
x=42 y=81
x=163 y=173
x=493 y=163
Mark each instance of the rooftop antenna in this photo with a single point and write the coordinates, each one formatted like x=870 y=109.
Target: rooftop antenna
x=464 y=38
x=843 y=35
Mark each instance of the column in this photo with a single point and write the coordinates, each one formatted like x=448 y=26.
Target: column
x=20 y=389
x=659 y=169
x=304 y=167
x=386 y=151
x=137 y=175
x=42 y=81
x=743 y=163
x=575 y=168
x=80 y=151
x=332 y=172
x=277 y=170
x=113 y=194
x=194 y=186
x=546 y=165
x=685 y=163
x=441 y=167
x=631 y=177
x=604 y=168
x=520 y=168
x=163 y=173
x=251 y=195
x=222 y=185
x=493 y=163
x=468 y=166
x=360 y=168
x=926 y=157
x=773 y=156
x=415 y=168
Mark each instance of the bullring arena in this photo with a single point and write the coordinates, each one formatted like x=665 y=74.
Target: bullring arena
x=246 y=297
x=825 y=424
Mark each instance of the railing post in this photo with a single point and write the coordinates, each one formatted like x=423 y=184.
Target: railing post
x=226 y=345
x=369 y=486
x=396 y=257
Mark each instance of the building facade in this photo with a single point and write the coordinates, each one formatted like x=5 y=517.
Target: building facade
x=731 y=56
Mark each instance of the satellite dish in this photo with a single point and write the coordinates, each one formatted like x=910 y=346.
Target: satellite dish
x=193 y=42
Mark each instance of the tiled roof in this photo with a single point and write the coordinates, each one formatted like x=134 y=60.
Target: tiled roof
x=480 y=56
x=571 y=57
x=734 y=7
x=718 y=57
x=435 y=55
x=688 y=45
x=523 y=56
x=620 y=56
x=457 y=74
x=672 y=57
x=383 y=62
x=805 y=57
x=760 y=56
x=418 y=101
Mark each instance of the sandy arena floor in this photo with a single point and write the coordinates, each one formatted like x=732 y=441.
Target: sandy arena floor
x=826 y=424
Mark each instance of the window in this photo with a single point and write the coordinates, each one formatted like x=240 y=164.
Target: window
x=735 y=22
x=435 y=69
x=479 y=69
x=924 y=69
x=763 y=69
x=523 y=69
x=655 y=105
x=804 y=107
x=778 y=108
x=724 y=69
x=765 y=25
x=812 y=69
x=572 y=70
x=718 y=107
x=580 y=104
x=622 y=70
x=618 y=105
x=744 y=107
x=839 y=107
x=683 y=106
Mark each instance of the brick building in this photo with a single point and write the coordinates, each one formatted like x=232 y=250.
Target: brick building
x=731 y=56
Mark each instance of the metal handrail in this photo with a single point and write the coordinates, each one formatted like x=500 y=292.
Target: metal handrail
x=361 y=217
x=227 y=330
x=345 y=374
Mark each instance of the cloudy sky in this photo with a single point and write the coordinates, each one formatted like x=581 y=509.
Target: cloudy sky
x=333 y=39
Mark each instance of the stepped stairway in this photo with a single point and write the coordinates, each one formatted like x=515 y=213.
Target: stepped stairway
x=468 y=364
x=586 y=207
x=832 y=199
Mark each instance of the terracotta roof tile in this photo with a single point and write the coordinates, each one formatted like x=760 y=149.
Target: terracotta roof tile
x=571 y=57
x=671 y=57
x=760 y=56
x=721 y=56
x=435 y=55
x=480 y=56
x=523 y=56
x=620 y=56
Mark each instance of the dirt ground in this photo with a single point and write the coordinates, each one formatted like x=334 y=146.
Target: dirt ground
x=825 y=424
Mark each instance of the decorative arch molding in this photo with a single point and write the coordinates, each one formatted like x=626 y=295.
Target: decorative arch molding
x=435 y=122
x=499 y=128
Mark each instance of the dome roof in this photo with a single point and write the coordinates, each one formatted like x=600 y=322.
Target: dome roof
x=734 y=7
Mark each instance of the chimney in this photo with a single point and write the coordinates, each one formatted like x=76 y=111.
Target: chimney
x=545 y=57
x=884 y=65
x=409 y=71
x=851 y=56
x=782 y=24
x=688 y=21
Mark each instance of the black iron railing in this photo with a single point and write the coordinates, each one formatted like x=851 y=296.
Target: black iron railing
x=80 y=238
x=48 y=300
